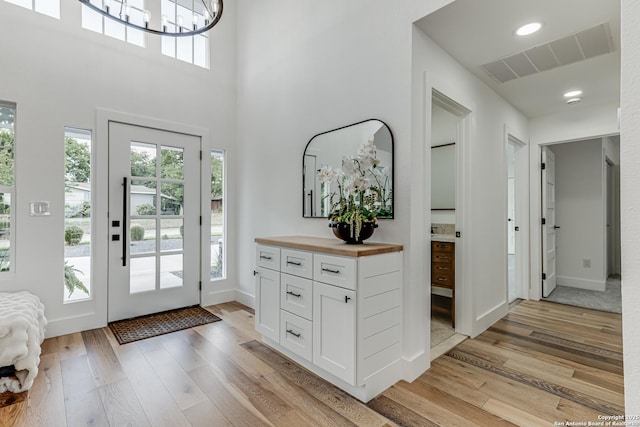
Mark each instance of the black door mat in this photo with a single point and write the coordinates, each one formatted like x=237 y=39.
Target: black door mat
x=152 y=325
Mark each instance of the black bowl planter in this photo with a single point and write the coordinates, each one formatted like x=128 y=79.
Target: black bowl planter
x=342 y=230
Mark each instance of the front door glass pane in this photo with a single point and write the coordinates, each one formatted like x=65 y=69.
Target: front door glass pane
x=143 y=274
x=143 y=159
x=171 y=271
x=172 y=163
x=172 y=231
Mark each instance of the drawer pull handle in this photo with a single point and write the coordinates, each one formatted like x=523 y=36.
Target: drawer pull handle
x=442 y=268
x=328 y=270
x=289 y=331
x=294 y=263
x=346 y=299
x=442 y=279
x=442 y=257
x=265 y=257
x=442 y=246
x=294 y=294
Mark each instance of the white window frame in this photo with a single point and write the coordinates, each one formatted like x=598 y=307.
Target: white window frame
x=192 y=39
x=11 y=190
x=35 y=6
x=223 y=154
x=103 y=19
x=92 y=175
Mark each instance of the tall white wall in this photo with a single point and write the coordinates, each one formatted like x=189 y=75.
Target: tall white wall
x=58 y=74
x=580 y=210
x=484 y=182
x=630 y=202
x=305 y=68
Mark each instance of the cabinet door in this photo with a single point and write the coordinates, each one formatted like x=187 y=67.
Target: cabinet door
x=334 y=333
x=268 y=303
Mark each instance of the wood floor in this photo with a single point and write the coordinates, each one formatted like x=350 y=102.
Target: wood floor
x=541 y=363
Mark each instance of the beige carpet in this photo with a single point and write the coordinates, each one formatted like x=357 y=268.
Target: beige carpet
x=440 y=330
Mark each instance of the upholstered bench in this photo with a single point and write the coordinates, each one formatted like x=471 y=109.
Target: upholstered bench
x=22 y=328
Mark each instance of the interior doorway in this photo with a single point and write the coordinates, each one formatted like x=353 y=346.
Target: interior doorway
x=446 y=177
x=584 y=224
x=517 y=218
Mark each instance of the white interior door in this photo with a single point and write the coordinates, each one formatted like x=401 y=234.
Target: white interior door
x=549 y=227
x=154 y=220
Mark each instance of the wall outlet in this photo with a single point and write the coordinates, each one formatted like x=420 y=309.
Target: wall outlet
x=586 y=263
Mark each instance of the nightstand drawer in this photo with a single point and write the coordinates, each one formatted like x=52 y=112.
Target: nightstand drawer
x=296 y=295
x=295 y=334
x=297 y=263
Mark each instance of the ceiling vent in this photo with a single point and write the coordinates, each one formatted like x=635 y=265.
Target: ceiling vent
x=576 y=47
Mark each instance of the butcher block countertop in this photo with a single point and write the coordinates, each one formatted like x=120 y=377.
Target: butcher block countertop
x=331 y=246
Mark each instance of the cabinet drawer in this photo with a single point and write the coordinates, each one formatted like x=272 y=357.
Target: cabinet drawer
x=295 y=334
x=296 y=295
x=335 y=270
x=442 y=280
x=442 y=246
x=268 y=257
x=298 y=263
x=442 y=268
x=442 y=257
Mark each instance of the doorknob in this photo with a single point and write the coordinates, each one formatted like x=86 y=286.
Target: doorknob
x=555 y=227
x=517 y=228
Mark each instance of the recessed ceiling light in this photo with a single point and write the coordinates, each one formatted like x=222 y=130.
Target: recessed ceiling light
x=527 y=29
x=573 y=94
x=573 y=100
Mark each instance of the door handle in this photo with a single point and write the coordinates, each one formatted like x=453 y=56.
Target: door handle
x=517 y=228
x=555 y=227
x=124 y=220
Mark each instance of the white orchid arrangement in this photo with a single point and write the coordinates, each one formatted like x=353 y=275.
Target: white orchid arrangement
x=363 y=193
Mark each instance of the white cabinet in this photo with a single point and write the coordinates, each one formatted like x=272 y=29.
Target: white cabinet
x=335 y=309
x=334 y=330
x=268 y=302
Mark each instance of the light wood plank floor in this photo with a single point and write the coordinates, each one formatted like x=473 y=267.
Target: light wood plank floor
x=542 y=363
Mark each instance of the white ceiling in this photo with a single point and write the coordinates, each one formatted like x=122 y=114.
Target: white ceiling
x=478 y=32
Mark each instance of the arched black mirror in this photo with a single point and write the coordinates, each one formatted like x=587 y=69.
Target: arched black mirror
x=327 y=150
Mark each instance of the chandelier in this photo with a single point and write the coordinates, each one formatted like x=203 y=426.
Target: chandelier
x=183 y=17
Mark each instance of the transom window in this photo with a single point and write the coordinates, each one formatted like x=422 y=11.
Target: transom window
x=192 y=49
x=47 y=7
x=91 y=20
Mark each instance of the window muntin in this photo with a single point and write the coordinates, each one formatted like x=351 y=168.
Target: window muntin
x=192 y=49
x=46 y=7
x=92 y=20
x=7 y=187
x=77 y=214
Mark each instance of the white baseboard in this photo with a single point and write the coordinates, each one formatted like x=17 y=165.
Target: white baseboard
x=70 y=325
x=218 y=297
x=245 y=298
x=574 y=282
x=487 y=319
x=414 y=366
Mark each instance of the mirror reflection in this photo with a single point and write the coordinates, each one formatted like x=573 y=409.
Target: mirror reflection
x=327 y=150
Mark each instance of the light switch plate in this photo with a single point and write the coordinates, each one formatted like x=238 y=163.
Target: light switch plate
x=40 y=208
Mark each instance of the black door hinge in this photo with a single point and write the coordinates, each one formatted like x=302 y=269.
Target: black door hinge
x=543 y=166
x=544 y=276
x=200 y=219
x=200 y=285
x=544 y=221
x=200 y=154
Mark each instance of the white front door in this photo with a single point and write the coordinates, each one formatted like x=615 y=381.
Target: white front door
x=154 y=220
x=549 y=227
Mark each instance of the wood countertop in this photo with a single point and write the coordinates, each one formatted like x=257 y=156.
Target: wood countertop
x=329 y=246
